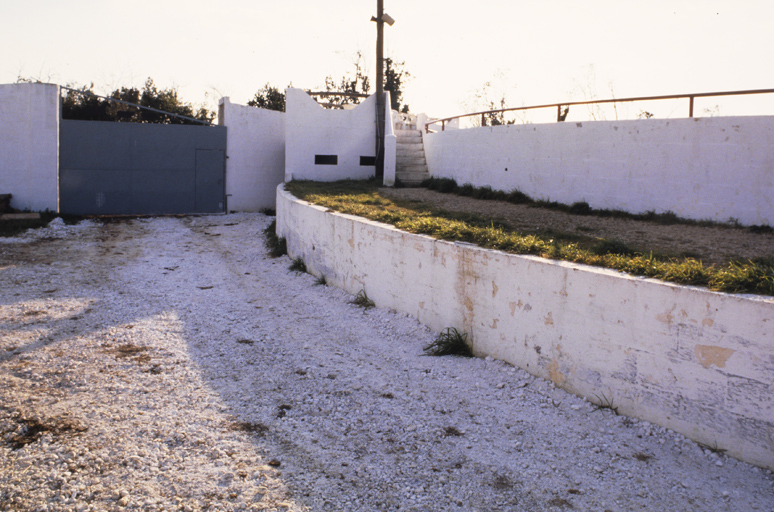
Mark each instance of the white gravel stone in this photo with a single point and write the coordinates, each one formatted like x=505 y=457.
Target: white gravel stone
x=173 y=366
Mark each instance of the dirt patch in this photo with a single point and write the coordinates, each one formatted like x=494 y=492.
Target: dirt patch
x=30 y=430
x=712 y=245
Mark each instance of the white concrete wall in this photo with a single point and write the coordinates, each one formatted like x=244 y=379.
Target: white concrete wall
x=312 y=130
x=703 y=168
x=698 y=362
x=29 y=145
x=256 y=155
x=390 y=142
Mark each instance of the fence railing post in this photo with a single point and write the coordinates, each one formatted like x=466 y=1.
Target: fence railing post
x=690 y=106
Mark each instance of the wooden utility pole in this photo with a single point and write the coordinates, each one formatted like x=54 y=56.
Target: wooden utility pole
x=379 y=88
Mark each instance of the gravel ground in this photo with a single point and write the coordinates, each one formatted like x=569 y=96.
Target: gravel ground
x=169 y=364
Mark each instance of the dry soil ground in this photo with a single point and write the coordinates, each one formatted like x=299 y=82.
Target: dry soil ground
x=710 y=244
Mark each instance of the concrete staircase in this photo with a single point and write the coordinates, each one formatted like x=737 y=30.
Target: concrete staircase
x=410 y=163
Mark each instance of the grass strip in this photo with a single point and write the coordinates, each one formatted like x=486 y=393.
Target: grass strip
x=450 y=186
x=362 y=198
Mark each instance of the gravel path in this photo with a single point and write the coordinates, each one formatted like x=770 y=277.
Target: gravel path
x=168 y=364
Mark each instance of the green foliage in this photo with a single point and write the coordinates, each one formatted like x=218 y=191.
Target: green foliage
x=269 y=97
x=362 y=198
x=356 y=83
x=84 y=105
x=580 y=208
x=604 y=246
x=394 y=77
x=450 y=342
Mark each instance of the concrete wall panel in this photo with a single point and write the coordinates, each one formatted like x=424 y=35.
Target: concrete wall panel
x=702 y=168
x=256 y=155
x=312 y=130
x=695 y=361
x=29 y=145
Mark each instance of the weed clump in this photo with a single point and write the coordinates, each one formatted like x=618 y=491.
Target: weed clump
x=321 y=281
x=605 y=246
x=451 y=342
x=362 y=300
x=277 y=246
x=298 y=265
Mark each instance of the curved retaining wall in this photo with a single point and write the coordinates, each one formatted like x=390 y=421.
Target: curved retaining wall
x=697 y=362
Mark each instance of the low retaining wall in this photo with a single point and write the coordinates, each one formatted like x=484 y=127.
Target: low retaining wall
x=697 y=362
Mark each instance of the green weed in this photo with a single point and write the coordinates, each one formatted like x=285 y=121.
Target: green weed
x=277 y=246
x=451 y=342
x=362 y=300
x=298 y=265
x=604 y=402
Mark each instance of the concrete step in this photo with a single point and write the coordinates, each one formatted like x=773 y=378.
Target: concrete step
x=412 y=179
x=409 y=136
x=410 y=168
x=410 y=146
x=411 y=159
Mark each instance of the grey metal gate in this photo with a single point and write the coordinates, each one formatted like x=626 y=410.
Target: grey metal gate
x=110 y=168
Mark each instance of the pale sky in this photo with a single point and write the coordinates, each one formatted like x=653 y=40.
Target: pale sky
x=533 y=52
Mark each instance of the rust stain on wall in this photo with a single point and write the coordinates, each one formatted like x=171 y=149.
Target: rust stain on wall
x=494 y=289
x=549 y=319
x=512 y=305
x=351 y=242
x=709 y=355
x=665 y=318
x=494 y=323
x=468 y=304
x=421 y=305
x=556 y=376
x=708 y=322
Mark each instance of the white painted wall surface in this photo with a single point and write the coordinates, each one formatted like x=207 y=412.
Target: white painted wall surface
x=29 y=145
x=312 y=130
x=256 y=155
x=703 y=168
x=390 y=142
x=698 y=362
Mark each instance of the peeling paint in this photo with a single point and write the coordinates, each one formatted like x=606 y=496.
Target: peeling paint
x=512 y=305
x=421 y=305
x=549 y=319
x=494 y=289
x=527 y=307
x=494 y=323
x=351 y=242
x=709 y=355
x=708 y=322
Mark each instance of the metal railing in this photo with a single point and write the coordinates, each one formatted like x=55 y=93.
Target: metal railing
x=563 y=108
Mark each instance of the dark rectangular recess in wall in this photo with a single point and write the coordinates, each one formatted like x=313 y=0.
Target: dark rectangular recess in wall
x=367 y=160
x=326 y=159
